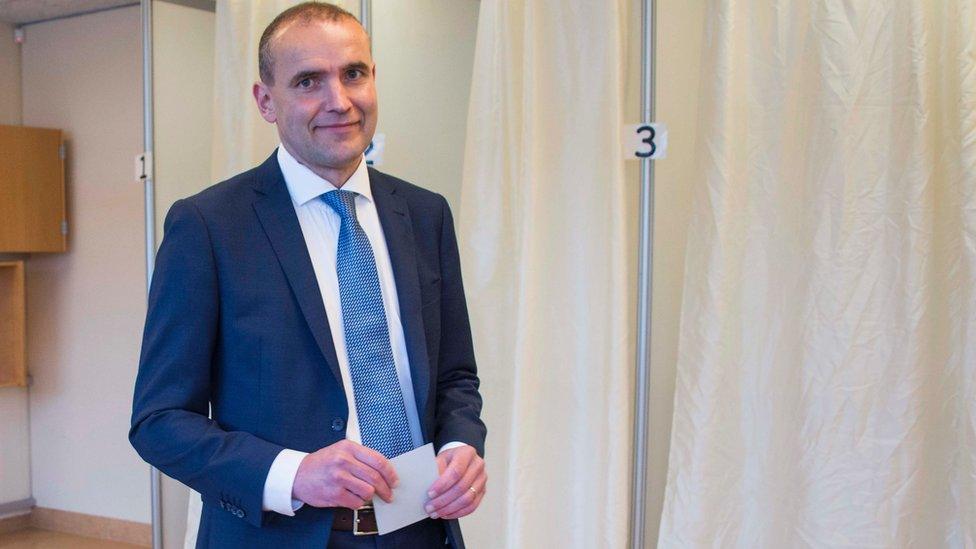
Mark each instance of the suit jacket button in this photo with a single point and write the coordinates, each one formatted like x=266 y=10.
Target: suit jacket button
x=240 y=513
x=338 y=424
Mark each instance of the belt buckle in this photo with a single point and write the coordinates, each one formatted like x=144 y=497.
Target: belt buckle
x=355 y=521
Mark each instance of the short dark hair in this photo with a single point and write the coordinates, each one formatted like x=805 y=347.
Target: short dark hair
x=303 y=13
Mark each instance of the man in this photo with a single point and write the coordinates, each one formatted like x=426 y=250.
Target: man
x=316 y=308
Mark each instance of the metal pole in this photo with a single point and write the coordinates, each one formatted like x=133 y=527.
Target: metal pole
x=366 y=16
x=150 y=213
x=645 y=282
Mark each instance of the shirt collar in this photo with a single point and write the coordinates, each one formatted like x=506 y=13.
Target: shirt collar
x=304 y=185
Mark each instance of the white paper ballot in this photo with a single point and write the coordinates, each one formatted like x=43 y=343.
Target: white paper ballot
x=417 y=470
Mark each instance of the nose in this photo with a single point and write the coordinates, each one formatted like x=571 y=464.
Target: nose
x=335 y=97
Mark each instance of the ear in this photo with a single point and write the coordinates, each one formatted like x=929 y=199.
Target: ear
x=262 y=96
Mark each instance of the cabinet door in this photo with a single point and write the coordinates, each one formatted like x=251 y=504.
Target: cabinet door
x=13 y=351
x=32 y=205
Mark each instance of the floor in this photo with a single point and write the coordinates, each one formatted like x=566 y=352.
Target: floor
x=42 y=539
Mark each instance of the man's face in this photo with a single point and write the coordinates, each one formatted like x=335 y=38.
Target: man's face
x=324 y=96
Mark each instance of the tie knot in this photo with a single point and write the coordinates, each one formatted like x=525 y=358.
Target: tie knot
x=343 y=202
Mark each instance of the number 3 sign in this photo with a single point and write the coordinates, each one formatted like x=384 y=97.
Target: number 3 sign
x=645 y=141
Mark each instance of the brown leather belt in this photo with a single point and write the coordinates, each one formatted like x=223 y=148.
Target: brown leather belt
x=361 y=522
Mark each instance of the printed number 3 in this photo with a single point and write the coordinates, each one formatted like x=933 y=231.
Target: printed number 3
x=649 y=140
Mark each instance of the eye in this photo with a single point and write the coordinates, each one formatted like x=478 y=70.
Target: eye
x=355 y=74
x=305 y=83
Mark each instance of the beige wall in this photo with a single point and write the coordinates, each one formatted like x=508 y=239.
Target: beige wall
x=183 y=65
x=9 y=76
x=14 y=432
x=15 y=449
x=424 y=53
x=86 y=306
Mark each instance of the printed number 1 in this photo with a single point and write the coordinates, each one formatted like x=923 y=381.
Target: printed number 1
x=649 y=140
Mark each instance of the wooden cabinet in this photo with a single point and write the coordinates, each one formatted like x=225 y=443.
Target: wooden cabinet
x=32 y=202
x=13 y=316
x=32 y=219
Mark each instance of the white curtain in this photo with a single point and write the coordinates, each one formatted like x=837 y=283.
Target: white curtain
x=826 y=389
x=547 y=260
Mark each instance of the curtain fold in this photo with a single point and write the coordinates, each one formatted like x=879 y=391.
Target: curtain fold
x=826 y=388
x=547 y=259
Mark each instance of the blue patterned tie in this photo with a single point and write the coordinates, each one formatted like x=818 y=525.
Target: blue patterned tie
x=376 y=388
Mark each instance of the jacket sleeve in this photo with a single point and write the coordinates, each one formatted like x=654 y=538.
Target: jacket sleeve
x=170 y=424
x=458 y=412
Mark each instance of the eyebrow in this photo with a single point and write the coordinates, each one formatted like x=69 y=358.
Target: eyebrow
x=313 y=73
x=303 y=75
x=357 y=65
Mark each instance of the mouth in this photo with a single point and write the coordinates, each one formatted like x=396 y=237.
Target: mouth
x=339 y=126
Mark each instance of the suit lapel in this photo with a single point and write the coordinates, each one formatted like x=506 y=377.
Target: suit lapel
x=277 y=215
x=398 y=230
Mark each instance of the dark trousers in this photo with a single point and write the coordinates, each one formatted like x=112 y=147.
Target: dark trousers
x=421 y=535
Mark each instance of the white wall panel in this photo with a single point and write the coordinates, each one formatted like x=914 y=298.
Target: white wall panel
x=86 y=307
x=424 y=54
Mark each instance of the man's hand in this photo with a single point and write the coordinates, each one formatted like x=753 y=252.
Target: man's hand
x=344 y=474
x=461 y=486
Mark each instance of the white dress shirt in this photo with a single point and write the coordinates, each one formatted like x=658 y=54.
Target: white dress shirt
x=320 y=227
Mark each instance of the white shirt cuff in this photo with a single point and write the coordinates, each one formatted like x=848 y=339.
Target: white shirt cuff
x=452 y=444
x=280 y=481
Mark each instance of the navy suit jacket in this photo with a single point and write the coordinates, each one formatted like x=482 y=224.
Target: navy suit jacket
x=236 y=327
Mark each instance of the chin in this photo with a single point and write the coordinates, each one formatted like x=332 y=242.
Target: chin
x=341 y=150
x=337 y=159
